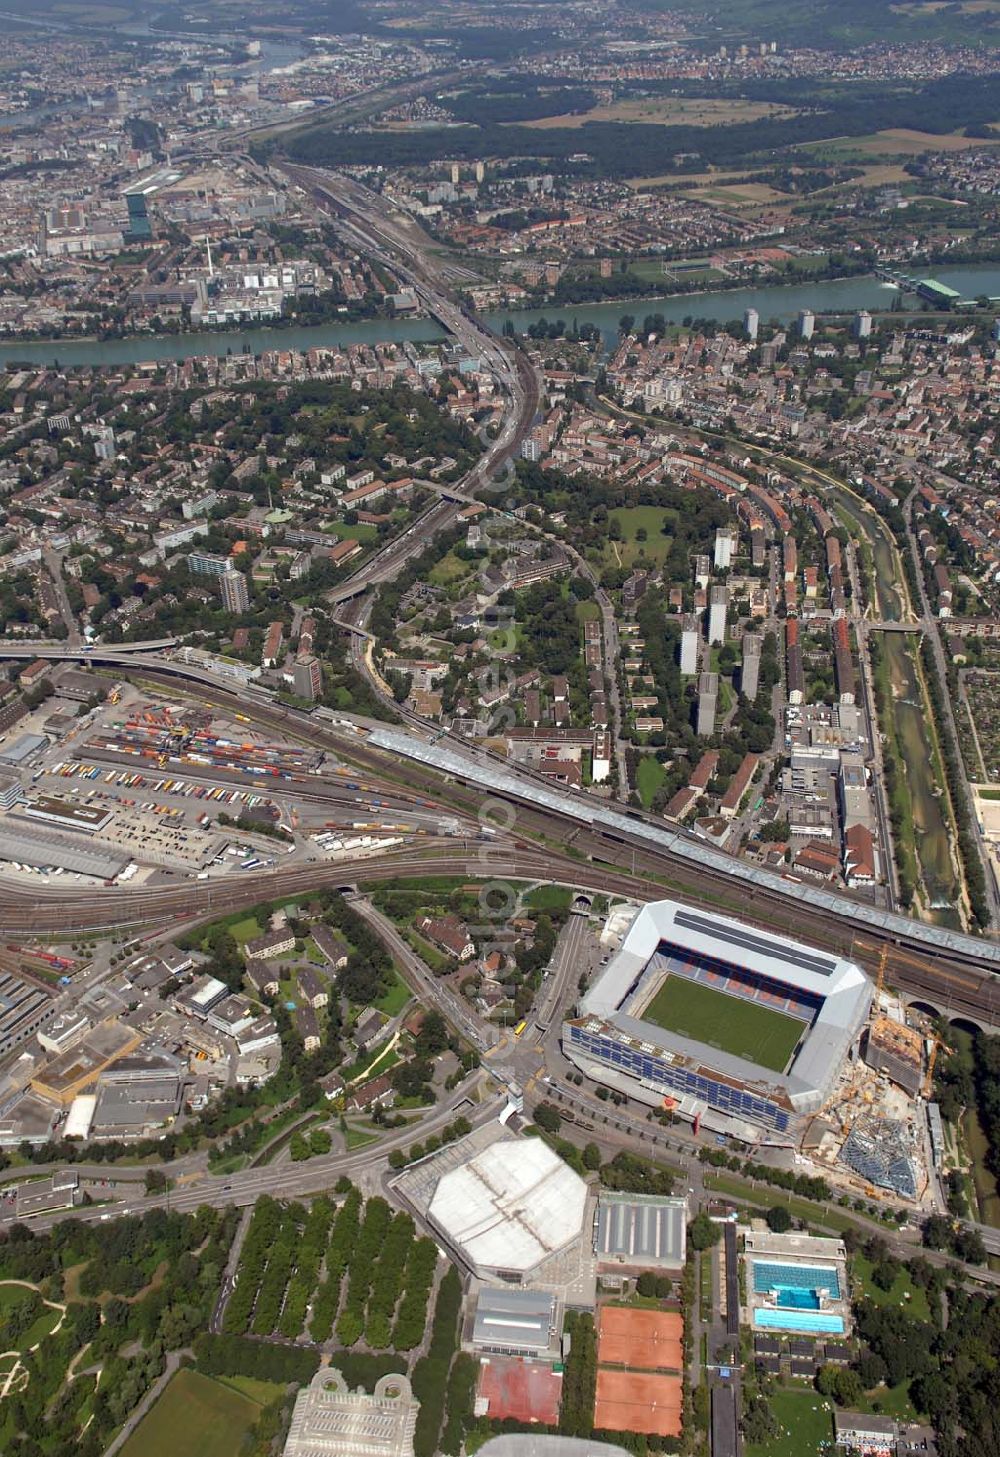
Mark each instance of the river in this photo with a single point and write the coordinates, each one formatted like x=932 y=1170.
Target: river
x=778 y=302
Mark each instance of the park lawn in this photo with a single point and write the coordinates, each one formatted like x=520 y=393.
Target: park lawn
x=588 y=612
x=361 y=532
x=262 y=1392
x=650 y=519
x=904 y=1287
x=744 y=1029
x=245 y=929
x=806 y=1423
x=449 y=569
x=195 y=1417
x=357 y=1138
x=396 y=998
x=814 y=1215
x=549 y=898
x=648 y=778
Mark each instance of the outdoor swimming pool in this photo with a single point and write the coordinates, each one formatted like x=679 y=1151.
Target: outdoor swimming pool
x=810 y=1322
x=797 y=1285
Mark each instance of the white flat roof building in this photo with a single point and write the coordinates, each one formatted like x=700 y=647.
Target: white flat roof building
x=509 y=1208
x=329 y=1420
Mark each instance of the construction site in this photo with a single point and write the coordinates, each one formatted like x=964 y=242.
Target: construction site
x=874 y=1135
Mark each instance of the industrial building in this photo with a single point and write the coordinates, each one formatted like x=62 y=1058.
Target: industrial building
x=509 y=1209
x=330 y=1420
x=742 y=1030
x=25 y=1006
x=636 y=1232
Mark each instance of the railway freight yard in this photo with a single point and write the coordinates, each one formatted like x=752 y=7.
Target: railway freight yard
x=147 y=790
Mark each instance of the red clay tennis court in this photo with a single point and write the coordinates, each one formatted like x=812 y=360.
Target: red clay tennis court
x=645 y=1340
x=633 y=1401
x=527 y=1390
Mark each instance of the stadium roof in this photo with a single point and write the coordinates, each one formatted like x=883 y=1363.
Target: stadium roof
x=511 y=1206
x=719 y=937
x=842 y=986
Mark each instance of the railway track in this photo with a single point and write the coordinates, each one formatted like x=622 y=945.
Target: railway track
x=943 y=982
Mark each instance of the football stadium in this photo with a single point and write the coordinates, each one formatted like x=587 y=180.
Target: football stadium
x=725 y=1024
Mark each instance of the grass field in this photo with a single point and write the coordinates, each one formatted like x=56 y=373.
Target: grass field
x=396 y=998
x=669 y=111
x=648 y=778
x=743 y=1029
x=806 y=1424
x=549 y=898
x=195 y=1417
x=630 y=521
x=913 y=1298
x=245 y=930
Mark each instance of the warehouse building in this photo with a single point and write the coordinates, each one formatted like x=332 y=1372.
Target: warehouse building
x=516 y=1323
x=25 y=1006
x=636 y=1232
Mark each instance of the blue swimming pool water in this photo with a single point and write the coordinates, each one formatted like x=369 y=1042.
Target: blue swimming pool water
x=810 y=1322
x=797 y=1299
x=773 y=1275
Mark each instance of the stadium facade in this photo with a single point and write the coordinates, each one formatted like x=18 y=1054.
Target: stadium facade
x=742 y=1030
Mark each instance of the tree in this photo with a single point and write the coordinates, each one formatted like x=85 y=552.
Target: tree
x=778 y=1219
x=591 y=1157
x=937 y=1232
x=548 y=1118
x=703 y=1232
x=969 y=1247
x=432 y=1038
x=886 y=1273
x=842 y=1383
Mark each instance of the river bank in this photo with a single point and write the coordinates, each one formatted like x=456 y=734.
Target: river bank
x=779 y=303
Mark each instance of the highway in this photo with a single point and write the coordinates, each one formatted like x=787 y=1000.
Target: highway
x=292 y=1180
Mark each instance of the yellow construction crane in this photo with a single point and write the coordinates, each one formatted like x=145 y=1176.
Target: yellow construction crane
x=929 y=1079
x=882 y=962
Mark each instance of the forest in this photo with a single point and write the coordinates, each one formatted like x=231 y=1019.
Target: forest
x=612 y=149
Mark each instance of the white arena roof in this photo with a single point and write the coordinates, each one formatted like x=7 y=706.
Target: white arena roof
x=511 y=1206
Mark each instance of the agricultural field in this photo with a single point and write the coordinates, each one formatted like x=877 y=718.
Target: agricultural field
x=894 y=142
x=743 y=1029
x=196 y=1416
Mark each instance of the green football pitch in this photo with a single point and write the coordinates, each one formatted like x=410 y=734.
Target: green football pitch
x=744 y=1029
